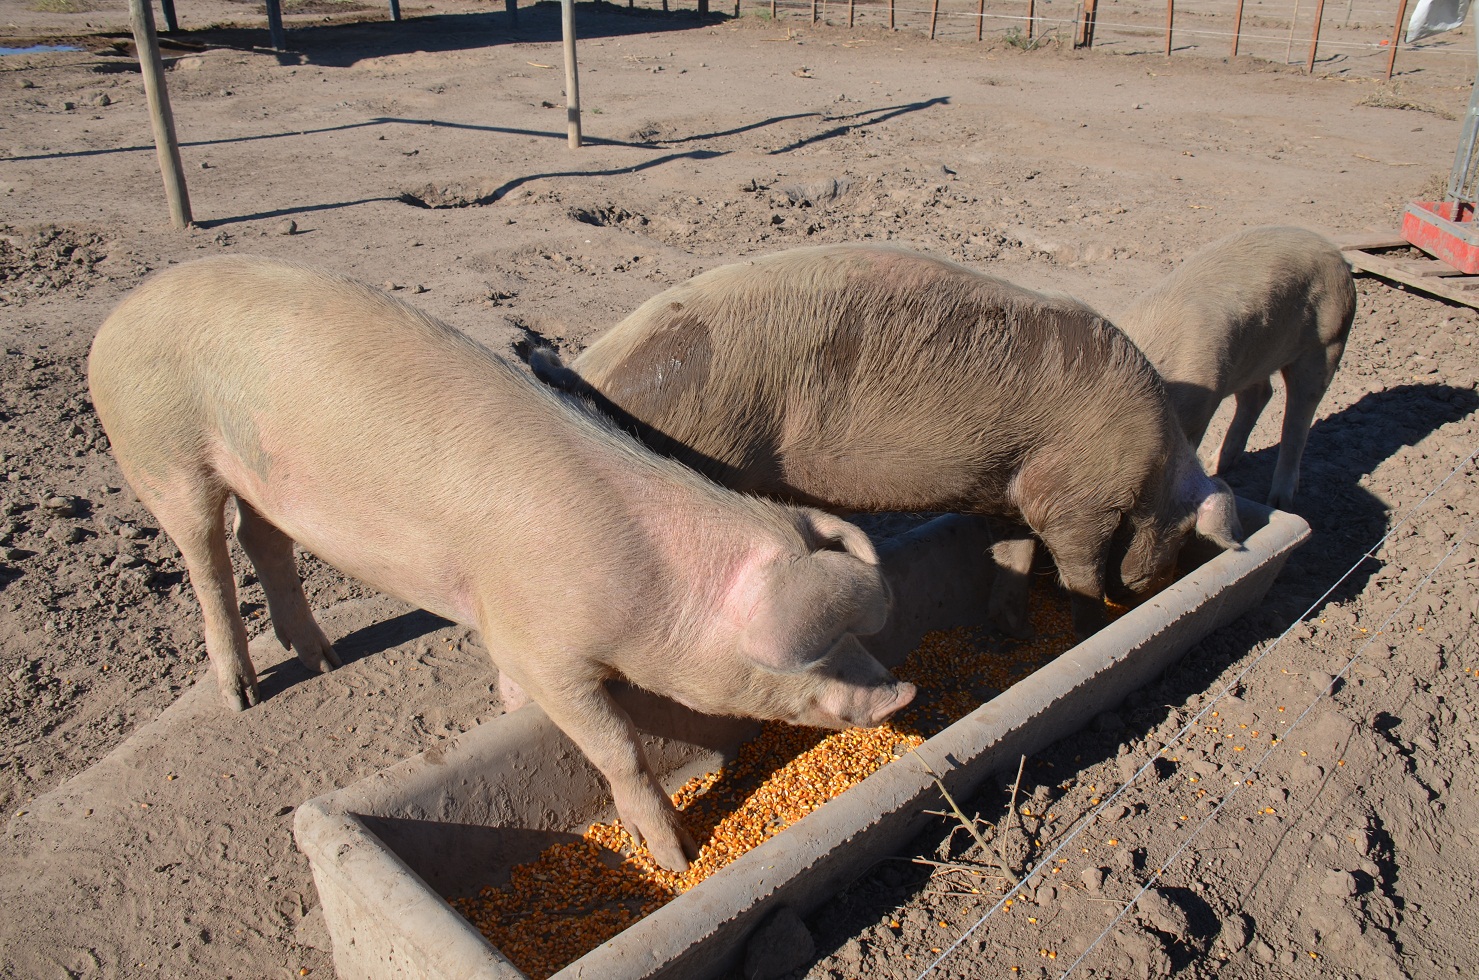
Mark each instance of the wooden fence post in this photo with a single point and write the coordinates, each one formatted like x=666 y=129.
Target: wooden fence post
x=934 y=15
x=572 y=81
x=1031 y=17
x=166 y=147
x=1170 y=15
x=980 y=17
x=1237 y=28
x=274 y=25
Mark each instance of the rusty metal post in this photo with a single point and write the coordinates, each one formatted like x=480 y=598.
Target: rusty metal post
x=1396 y=38
x=1084 y=35
x=1309 y=68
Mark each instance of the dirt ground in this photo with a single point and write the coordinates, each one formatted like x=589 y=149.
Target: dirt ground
x=149 y=830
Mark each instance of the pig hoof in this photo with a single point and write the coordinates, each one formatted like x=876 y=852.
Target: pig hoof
x=1014 y=627
x=1280 y=501
x=242 y=697
x=675 y=852
x=322 y=660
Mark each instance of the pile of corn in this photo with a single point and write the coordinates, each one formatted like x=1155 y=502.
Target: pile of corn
x=569 y=901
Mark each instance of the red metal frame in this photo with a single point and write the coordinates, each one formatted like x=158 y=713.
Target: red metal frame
x=1444 y=229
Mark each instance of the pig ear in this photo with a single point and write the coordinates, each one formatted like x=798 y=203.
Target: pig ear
x=829 y=527
x=545 y=364
x=1217 y=516
x=796 y=608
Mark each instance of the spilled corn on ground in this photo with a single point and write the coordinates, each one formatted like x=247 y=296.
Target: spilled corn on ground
x=555 y=909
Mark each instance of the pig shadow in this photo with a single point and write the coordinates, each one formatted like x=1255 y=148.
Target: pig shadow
x=1346 y=518
x=485 y=856
x=365 y=642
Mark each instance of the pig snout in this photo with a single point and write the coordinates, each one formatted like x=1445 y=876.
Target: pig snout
x=878 y=704
x=853 y=690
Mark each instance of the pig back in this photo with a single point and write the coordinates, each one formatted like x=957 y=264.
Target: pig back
x=876 y=378
x=382 y=440
x=1242 y=307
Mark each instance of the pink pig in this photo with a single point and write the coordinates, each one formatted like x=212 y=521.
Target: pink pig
x=405 y=454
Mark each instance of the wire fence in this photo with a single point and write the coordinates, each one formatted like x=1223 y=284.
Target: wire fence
x=1353 y=37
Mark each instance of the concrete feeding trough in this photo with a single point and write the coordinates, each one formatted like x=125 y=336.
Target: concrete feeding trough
x=460 y=816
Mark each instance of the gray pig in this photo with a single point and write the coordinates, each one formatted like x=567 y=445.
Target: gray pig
x=1250 y=304
x=1247 y=305
x=871 y=378
x=407 y=455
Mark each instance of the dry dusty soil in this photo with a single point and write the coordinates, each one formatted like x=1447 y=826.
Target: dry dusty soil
x=430 y=157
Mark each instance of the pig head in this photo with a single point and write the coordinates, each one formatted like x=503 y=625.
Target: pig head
x=398 y=450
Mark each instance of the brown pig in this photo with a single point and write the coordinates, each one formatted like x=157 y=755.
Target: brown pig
x=407 y=455
x=871 y=378
x=1248 y=305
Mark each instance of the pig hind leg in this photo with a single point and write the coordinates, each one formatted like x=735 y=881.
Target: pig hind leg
x=193 y=513
x=1305 y=382
x=271 y=552
x=1250 y=404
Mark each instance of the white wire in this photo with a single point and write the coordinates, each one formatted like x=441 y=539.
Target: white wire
x=1252 y=770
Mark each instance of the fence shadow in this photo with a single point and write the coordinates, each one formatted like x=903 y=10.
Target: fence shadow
x=344 y=43
x=1347 y=519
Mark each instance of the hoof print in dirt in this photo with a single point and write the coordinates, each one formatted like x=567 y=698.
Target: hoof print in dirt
x=438 y=196
x=1179 y=920
x=607 y=216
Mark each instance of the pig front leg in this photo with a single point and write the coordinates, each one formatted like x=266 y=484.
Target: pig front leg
x=1079 y=544
x=1011 y=581
x=604 y=732
x=1250 y=404
x=1305 y=382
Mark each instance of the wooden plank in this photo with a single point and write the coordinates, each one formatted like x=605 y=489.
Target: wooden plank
x=1426 y=267
x=1459 y=288
x=1372 y=241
